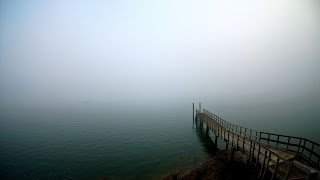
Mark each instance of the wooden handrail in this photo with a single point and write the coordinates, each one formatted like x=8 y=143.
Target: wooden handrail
x=235 y=135
x=305 y=147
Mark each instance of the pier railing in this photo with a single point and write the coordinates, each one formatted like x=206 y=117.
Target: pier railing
x=243 y=131
x=247 y=141
x=310 y=150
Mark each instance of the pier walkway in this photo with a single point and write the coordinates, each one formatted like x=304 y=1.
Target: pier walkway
x=275 y=156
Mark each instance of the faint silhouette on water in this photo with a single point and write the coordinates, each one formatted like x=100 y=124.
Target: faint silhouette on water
x=203 y=134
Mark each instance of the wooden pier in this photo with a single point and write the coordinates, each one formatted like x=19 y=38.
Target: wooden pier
x=275 y=156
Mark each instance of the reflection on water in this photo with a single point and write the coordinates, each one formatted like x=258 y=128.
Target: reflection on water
x=203 y=133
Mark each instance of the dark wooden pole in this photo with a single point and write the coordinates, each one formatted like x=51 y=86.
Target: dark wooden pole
x=232 y=153
x=193 y=111
x=216 y=141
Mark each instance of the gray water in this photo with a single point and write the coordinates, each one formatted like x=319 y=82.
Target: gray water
x=133 y=141
x=90 y=142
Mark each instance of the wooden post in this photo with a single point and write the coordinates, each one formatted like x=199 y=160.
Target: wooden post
x=275 y=169
x=299 y=146
x=243 y=140
x=216 y=141
x=257 y=161
x=232 y=153
x=254 y=147
x=288 y=144
x=200 y=107
x=260 y=136
x=238 y=142
x=267 y=165
x=250 y=150
x=263 y=164
x=311 y=153
x=193 y=111
x=304 y=146
x=232 y=139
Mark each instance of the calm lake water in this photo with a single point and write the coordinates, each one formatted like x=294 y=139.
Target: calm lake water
x=92 y=142
x=140 y=142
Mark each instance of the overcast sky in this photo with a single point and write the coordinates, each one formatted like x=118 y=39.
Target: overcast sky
x=104 y=51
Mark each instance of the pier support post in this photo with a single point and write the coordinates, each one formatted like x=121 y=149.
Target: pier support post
x=193 y=111
x=227 y=145
x=216 y=141
x=232 y=153
x=200 y=107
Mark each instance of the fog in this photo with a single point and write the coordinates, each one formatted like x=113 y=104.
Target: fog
x=121 y=52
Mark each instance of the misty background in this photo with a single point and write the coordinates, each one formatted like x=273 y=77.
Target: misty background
x=246 y=54
x=92 y=89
